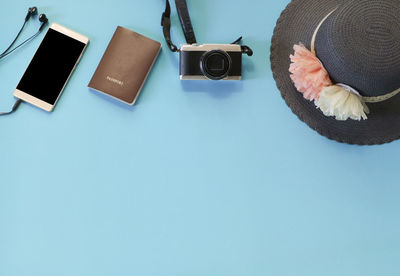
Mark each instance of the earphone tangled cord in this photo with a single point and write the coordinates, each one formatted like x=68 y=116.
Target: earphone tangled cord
x=43 y=19
x=31 y=12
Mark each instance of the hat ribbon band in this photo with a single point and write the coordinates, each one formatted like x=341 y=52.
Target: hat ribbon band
x=376 y=99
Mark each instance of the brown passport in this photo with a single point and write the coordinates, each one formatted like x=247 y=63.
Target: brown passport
x=125 y=65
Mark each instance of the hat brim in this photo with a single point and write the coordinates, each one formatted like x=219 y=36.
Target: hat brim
x=297 y=24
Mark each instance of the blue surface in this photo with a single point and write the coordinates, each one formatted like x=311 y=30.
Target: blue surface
x=199 y=178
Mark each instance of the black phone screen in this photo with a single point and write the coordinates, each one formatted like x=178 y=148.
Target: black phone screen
x=51 y=66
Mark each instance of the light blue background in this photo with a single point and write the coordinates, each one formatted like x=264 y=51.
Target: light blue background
x=199 y=178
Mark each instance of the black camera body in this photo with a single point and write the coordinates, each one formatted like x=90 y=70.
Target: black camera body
x=211 y=61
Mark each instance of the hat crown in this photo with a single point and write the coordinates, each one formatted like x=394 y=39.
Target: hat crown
x=359 y=45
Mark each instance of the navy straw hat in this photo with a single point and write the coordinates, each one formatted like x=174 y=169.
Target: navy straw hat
x=357 y=44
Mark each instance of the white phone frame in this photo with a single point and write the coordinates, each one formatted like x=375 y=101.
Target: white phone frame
x=38 y=102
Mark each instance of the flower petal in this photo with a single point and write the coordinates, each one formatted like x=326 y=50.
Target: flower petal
x=342 y=103
x=307 y=73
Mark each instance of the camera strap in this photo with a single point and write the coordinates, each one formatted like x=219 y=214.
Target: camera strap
x=184 y=17
x=186 y=24
x=187 y=27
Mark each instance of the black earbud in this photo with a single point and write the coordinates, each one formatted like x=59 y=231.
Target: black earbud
x=43 y=19
x=31 y=11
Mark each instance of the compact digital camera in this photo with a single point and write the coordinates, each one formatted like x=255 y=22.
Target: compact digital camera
x=211 y=61
x=205 y=61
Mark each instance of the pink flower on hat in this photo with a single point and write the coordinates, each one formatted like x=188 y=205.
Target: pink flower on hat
x=307 y=73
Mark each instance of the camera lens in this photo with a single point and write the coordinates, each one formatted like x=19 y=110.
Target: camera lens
x=215 y=64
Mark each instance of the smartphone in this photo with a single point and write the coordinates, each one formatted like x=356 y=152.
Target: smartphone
x=51 y=67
